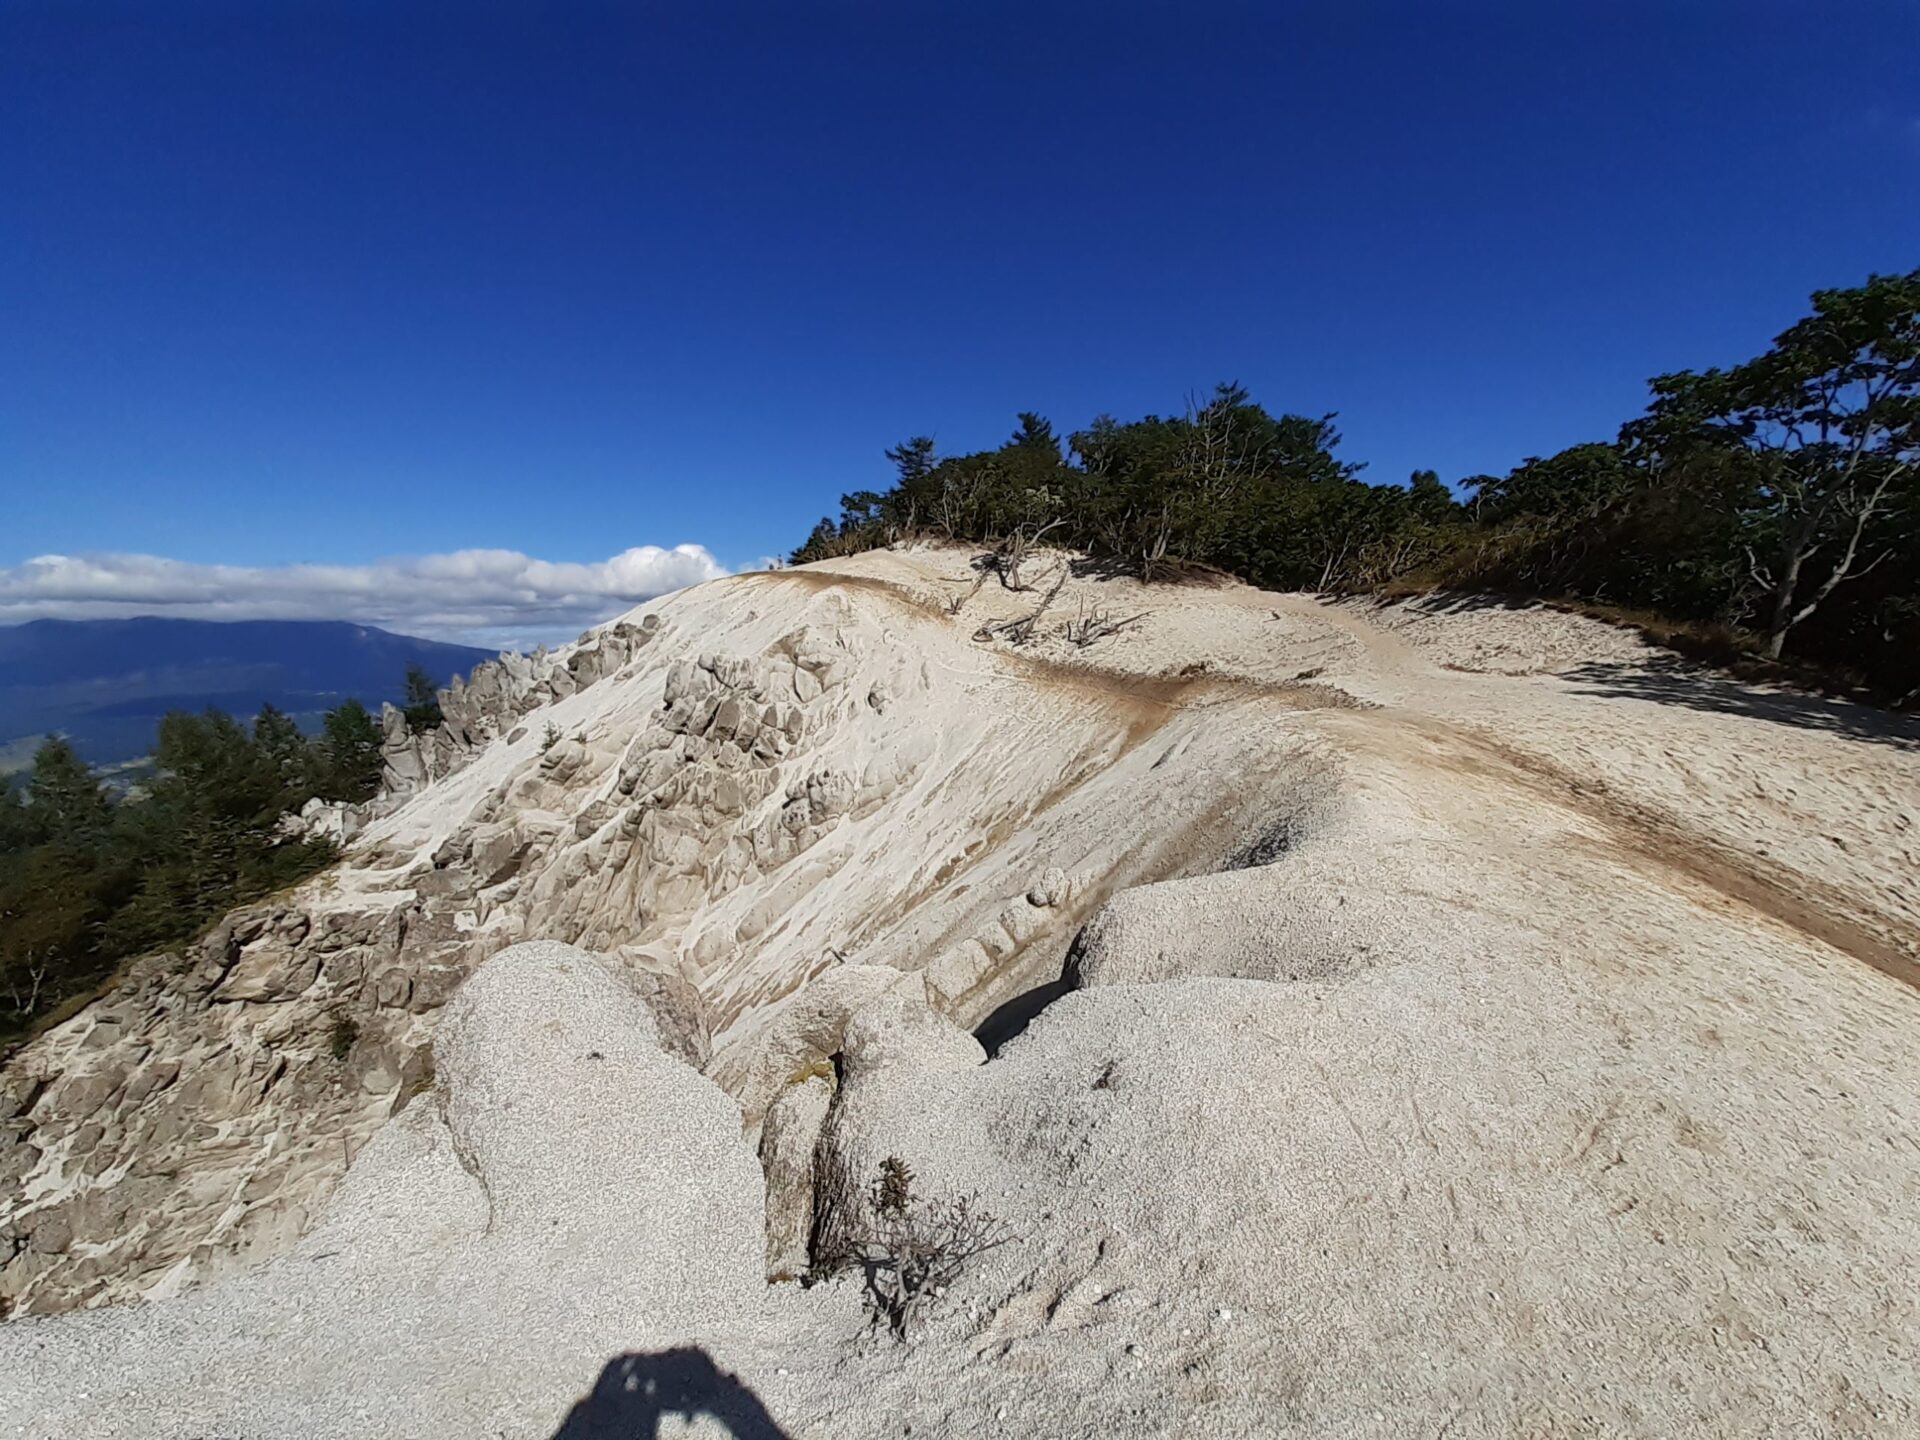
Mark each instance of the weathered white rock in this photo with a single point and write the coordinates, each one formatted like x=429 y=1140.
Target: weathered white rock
x=560 y=1094
x=568 y=1189
x=1420 y=1099
x=788 y=1139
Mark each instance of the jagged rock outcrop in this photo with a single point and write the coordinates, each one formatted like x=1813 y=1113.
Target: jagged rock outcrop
x=565 y=1172
x=729 y=821
x=476 y=708
x=335 y=821
x=191 y=1121
x=193 y=1124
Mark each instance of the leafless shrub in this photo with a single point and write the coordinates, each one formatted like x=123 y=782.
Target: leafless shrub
x=1013 y=552
x=342 y=1035
x=1096 y=624
x=959 y=602
x=1023 y=628
x=26 y=1002
x=916 y=1248
x=1017 y=631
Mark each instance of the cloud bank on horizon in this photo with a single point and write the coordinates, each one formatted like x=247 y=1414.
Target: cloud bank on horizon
x=478 y=597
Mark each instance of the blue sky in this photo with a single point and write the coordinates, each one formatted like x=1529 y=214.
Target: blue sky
x=334 y=284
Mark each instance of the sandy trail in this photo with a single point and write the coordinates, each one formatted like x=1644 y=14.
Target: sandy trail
x=1826 y=813
x=1805 y=809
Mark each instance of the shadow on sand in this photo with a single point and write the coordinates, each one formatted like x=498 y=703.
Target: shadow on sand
x=1675 y=682
x=637 y=1390
x=1698 y=682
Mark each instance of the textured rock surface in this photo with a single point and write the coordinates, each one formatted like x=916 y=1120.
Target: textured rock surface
x=1452 y=1053
x=890 y=1044
x=477 y=708
x=564 y=1102
x=578 y=1187
x=788 y=1140
x=732 y=820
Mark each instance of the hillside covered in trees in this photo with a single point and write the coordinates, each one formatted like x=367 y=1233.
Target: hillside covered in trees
x=1777 y=500
x=89 y=879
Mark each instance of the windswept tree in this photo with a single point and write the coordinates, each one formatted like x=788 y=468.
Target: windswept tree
x=285 y=757
x=66 y=796
x=58 y=881
x=1429 y=499
x=1582 y=481
x=88 y=879
x=819 y=543
x=913 y=458
x=863 y=509
x=1829 y=419
x=1777 y=501
x=422 y=705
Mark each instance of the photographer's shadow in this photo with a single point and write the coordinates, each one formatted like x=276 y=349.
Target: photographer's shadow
x=635 y=1391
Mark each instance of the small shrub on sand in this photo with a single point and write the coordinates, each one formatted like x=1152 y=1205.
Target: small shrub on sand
x=916 y=1248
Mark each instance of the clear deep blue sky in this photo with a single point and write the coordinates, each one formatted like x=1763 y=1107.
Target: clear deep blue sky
x=331 y=281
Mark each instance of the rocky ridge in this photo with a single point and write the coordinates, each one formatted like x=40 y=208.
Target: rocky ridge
x=1364 y=1047
x=729 y=825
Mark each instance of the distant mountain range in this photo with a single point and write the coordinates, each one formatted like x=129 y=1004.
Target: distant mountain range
x=106 y=683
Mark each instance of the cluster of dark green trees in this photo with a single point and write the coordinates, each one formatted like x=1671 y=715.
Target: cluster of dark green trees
x=89 y=878
x=1780 y=498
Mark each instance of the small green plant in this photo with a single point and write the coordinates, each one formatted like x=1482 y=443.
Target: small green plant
x=812 y=1070
x=550 y=737
x=342 y=1036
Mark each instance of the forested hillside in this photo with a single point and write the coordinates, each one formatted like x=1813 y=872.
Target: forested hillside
x=1776 y=501
x=88 y=879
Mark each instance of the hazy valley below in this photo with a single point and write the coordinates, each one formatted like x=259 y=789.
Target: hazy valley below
x=104 y=684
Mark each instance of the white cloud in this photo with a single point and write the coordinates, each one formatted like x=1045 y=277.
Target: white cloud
x=482 y=597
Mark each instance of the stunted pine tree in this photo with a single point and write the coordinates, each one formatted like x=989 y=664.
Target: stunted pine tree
x=422 y=705
x=913 y=458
